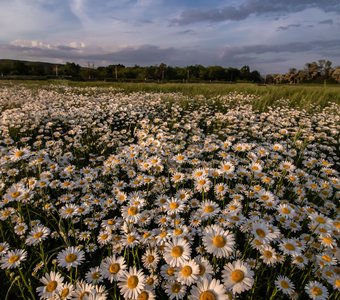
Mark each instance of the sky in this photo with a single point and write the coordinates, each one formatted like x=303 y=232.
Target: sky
x=270 y=36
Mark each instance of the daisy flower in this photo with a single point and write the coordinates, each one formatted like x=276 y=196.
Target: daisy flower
x=285 y=285
x=70 y=257
x=238 y=277
x=208 y=209
x=37 y=234
x=316 y=291
x=94 y=276
x=208 y=290
x=268 y=255
x=52 y=285
x=13 y=258
x=131 y=283
x=205 y=268
x=218 y=241
x=150 y=259
x=176 y=252
x=111 y=267
x=175 y=290
x=188 y=272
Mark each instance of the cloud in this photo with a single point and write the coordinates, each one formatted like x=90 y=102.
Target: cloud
x=282 y=28
x=254 y=7
x=328 y=21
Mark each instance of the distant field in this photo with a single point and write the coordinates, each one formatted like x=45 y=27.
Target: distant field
x=297 y=95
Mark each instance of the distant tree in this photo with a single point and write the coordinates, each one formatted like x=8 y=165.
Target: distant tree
x=20 y=68
x=72 y=69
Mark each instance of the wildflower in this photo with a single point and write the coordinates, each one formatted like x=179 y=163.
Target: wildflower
x=188 y=272
x=218 y=241
x=238 y=276
x=13 y=258
x=175 y=290
x=70 y=257
x=285 y=285
x=131 y=283
x=316 y=290
x=176 y=252
x=52 y=285
x=38 y=234
x=208 y=290
x=111 y=267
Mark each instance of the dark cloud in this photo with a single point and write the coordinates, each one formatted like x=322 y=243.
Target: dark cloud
x=188 y=31
x=282 y=28
x=328 y=21
x=254 y=7
x=66 y=48
x=252 y=55
x=317 y=46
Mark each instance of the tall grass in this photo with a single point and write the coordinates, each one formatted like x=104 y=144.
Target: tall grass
x=298 y=96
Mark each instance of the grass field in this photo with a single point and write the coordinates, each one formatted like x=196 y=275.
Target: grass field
x=169 y=191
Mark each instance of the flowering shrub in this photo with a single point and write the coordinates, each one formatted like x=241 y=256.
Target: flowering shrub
x=107 y=195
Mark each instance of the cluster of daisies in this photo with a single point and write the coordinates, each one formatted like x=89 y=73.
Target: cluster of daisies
x=108 y=195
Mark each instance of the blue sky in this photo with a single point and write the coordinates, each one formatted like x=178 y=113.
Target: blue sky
x=268 y=35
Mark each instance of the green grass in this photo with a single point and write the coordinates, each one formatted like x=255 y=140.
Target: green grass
x=299 y=96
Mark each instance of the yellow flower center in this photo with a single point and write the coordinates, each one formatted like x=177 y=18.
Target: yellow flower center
x=132 y=282
x=13 y=259
x=132 y=211
x=51 y=286
x=289 y=247
x=15 y=194
x=320 y=220
x=96 y=275
x=130 y=239
x=70 y=258
x=326 y=258
x=19 y=153
x=316 y=291
x=64 y=292
x=237 y=275
x=285 y=210
x=337 y=283
x=170 y=271
x=114 y=268
x=69 y=210
x=150 y=281
x=150 y=259
x=176 y=251
x=299 y=259
x=38 y=235
x=284 y=284
x=201 y=270
x=176 y=287
x=178 y=231
x=207 y=295
x=260 y=232
x=104 y=236
x=268 y=254
x=219 y=241
x=186 y=271
x=327 y=240
x=173 y=205
x=143 y=296
x=209 y=209
x=110 y=222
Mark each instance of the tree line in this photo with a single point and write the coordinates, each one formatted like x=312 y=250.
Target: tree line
x=119 y=72
x=314 y=72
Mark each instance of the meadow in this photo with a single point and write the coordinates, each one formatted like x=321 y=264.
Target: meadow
x=169 y=191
